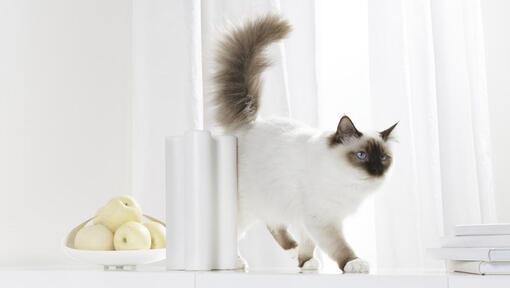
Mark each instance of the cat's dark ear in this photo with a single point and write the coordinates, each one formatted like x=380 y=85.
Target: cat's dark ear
x=345 y=130
x=386 y=133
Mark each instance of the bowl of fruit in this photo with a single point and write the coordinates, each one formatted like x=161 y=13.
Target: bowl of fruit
x=117 y=238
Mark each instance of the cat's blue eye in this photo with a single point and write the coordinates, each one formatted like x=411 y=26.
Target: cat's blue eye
x=383 y=157
x=361 y=155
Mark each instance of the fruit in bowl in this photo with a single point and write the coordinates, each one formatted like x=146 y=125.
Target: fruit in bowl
x=158 y=234
x=118 y=211
x=118 y=226
x=132 y=236
x=94 y=237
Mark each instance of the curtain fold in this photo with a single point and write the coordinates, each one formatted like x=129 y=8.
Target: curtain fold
x=402 y=86
x=461 y=72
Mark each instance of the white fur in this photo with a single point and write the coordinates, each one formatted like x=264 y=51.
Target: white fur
x=357 y=266
x=311 y=265
x=289 y=174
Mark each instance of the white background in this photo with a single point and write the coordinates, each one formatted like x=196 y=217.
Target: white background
x=65 y=116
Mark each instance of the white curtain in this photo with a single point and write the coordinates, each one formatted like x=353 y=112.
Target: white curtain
x=419 y=62
x=427 y=68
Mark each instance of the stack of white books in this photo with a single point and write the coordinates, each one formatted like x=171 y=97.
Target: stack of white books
x=479 y=249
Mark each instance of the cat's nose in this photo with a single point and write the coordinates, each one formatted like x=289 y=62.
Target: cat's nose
x=377 y=171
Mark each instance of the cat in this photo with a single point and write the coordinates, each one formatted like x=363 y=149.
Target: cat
x=291 y=174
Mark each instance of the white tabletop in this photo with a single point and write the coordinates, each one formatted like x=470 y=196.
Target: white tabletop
x=157 y=276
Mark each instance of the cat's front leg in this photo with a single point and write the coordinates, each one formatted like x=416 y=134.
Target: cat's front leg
x=330 y=239
x=306 y=261
x=357 y=265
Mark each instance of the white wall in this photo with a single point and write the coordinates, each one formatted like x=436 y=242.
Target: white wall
x=496 y=23
x=65 y=88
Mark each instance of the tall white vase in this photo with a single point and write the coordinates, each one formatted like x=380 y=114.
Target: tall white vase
x=201 y=201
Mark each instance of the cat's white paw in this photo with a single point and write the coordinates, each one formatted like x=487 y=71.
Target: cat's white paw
x=240 y=263
x=312 y=264
x=357 y=266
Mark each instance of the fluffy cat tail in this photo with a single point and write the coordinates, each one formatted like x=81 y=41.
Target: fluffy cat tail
x=240 y=62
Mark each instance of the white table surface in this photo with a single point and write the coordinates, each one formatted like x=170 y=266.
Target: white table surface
x=155 y=277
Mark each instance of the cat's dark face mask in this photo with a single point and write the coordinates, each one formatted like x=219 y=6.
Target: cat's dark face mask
x=371 y=157
x=369 y=153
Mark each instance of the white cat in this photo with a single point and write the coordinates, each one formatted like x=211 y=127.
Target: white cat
x=291 y=174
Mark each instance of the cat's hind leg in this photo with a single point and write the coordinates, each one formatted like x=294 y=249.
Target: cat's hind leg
x=244 y=222
x=282 y=236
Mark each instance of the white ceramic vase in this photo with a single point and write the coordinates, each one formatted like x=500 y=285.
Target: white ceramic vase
x=201 y=201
